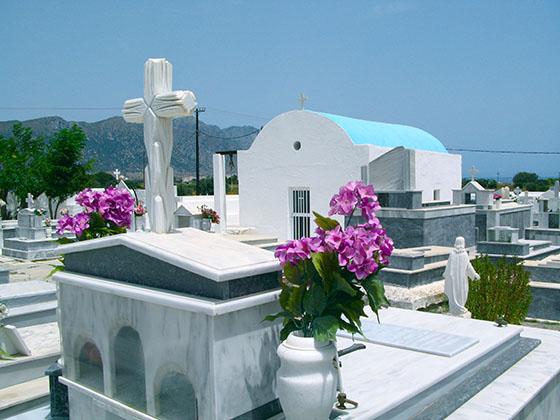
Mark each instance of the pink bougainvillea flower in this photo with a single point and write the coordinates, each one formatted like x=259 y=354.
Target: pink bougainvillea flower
x=89 y=199
x=81 y=223
x=65 y=223
x=116 y=205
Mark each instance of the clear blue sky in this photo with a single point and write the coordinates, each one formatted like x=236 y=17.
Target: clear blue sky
x=475 y=74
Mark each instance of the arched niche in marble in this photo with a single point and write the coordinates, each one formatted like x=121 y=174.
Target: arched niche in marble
x=175 y=396
x=130 y=382
x=90 y=366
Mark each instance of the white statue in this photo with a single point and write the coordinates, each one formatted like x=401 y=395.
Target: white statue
x=156 y=110
x=12 y=204
x=41 y=202
x=456 y=275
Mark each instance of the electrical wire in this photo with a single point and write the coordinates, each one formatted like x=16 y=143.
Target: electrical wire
x=503 y=151
x=229 y=138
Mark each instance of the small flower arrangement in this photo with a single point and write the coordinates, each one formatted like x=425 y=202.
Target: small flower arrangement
x=47 y=222
x=329 y=276
x=140 y=209
x=64 y=211
x=106 y=213
x=497 y=196
x=208 y=213
x=39 y=212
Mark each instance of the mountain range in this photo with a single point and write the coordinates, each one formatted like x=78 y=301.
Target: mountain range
x=114 y=143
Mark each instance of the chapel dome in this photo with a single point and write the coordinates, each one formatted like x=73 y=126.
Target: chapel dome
x=385 y=134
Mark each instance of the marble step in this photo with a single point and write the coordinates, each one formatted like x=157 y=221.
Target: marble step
x=20 y=244
x=34 y=314
x=430 y=273
x=27 y=293
x=535 y=245
x=30 y=255
x=22 y=398
x=270 y=246
x=44 y=342
x=257 y=240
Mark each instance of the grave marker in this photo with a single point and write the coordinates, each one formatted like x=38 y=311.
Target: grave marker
x=156 y=110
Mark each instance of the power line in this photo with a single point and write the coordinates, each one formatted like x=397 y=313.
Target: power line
x=237 y=114
x=230 y=138
x=48 y=108
x=504 y=151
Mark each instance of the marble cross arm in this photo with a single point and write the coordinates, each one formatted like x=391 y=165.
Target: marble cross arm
x=134 y=109
x=179 y=103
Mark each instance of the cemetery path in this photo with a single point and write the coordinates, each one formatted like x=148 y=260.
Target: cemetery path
x=28 y=270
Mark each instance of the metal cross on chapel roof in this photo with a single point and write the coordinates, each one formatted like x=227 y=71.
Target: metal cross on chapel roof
x=301 y=100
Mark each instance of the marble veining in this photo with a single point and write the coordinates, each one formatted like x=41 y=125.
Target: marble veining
x=426 y=341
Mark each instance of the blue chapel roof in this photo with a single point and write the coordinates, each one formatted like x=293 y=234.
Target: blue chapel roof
x=386 y=135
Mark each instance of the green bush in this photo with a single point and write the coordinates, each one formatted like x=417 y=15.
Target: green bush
x=502 y=291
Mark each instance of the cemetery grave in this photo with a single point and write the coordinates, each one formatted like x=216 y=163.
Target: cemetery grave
x=31 y=239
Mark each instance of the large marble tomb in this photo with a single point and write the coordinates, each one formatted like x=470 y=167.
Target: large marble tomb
x=169 y=326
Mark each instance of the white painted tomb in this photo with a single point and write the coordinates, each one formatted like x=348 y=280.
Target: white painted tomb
x=301 y=158
x=169 y=326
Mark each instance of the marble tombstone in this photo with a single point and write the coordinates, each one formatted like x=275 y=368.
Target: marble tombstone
x=169 y=326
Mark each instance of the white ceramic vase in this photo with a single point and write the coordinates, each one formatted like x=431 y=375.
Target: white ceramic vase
x=307 y=378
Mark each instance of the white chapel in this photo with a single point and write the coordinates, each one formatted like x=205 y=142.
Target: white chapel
x=301 y=158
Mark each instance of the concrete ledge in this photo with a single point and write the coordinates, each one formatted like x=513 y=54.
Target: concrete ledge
x=17 y=399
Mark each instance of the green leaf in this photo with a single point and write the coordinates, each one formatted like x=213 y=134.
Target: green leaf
x=4 y=355
x=343 y=286
x=325 y=264
x=375 y=293
x=56 y=270
x=288 y=328
x=315 y=300
x=325 y=223
x=325 y=328
x=353 y=309
x=273 y=317
x=294 y=273
x=295 y=301
x=351 y=328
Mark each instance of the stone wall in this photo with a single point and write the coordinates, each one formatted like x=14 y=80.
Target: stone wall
x=429 y=226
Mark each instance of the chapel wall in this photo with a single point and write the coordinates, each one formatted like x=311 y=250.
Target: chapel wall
x=437 y=171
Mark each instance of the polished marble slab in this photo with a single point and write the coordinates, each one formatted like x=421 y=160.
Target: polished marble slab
x=186 y=261
x=416 y=339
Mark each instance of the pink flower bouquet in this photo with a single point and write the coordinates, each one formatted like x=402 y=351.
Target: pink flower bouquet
x=329 y=276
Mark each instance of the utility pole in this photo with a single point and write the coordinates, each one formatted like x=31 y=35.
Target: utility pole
x=197 y=110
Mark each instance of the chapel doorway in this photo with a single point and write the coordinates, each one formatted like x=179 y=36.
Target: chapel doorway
x=300 y=212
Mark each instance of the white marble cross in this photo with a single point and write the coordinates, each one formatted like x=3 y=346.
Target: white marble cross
x=302 y=99
x=117 y=174
x=156 y=109
x=29 y=201
x=472 y=172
